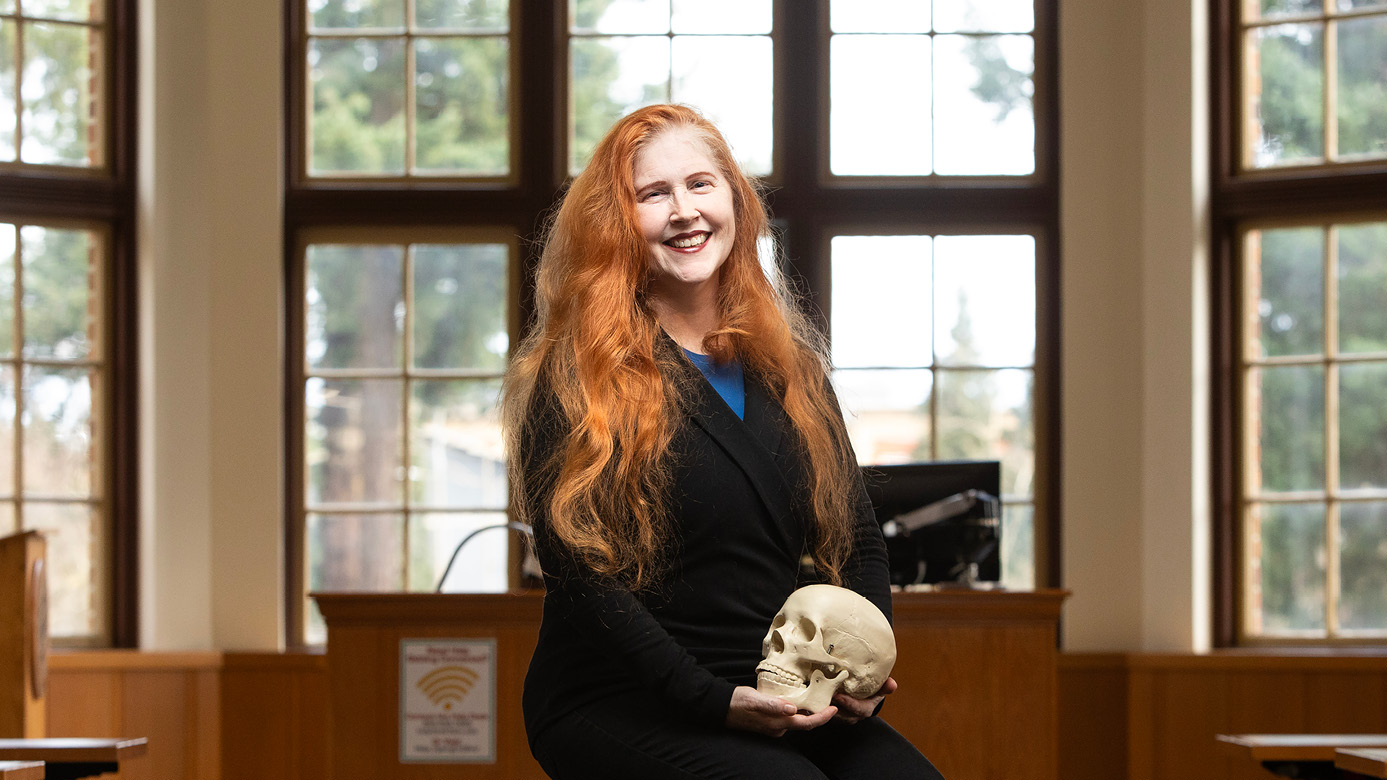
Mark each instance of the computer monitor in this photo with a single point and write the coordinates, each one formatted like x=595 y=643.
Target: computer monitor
x=962 y=526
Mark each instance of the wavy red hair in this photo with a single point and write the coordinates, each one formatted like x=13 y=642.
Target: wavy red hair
x=596 y=347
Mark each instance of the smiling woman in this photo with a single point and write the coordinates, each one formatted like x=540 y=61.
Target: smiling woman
x=672 y=502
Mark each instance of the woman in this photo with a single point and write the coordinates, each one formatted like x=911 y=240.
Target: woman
x=677 y=448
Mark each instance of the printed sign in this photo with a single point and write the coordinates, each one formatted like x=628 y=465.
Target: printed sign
x=448 y=701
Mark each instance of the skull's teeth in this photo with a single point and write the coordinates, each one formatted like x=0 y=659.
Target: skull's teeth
x=780 y=674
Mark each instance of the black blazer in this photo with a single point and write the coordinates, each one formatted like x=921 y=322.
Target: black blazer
x=742 y=526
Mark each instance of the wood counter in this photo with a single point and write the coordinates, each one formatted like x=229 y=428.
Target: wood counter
x=977 y=674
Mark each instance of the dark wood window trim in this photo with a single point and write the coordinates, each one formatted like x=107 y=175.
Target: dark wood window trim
x=29 y=192
x=1237 y=197
x=804 y=204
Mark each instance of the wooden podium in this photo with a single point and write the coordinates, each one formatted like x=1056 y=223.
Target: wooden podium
x=23 y=635
x=977 y=673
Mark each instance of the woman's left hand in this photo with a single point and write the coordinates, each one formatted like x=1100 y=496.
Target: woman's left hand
x=852 y=710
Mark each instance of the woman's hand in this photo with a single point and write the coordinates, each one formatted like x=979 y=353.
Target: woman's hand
x=772 y=716
x=852 y=710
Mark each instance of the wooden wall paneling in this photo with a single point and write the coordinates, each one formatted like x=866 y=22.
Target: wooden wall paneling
x=1141 y=729
x=171 y=699
x=274 y=717
x=83 y=703
x=1092 y=715
x=1339 y=702
x=1189 y=709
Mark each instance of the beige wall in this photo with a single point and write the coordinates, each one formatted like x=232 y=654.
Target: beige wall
x=1135 y=514
x=1136 y=541
x=211 y=279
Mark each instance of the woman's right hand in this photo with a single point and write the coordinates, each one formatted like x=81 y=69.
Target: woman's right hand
x=751 y=710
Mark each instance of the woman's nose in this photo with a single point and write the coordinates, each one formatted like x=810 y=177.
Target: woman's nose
x=681 y=208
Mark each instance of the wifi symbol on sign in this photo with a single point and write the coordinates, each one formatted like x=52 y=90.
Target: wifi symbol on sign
x=447 y=685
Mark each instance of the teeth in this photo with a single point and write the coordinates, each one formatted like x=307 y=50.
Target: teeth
x=779 y=674
x=688 y=243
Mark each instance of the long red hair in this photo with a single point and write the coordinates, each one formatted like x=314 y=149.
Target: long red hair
x=595 y=347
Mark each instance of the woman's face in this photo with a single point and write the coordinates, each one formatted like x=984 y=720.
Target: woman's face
x=684 y=206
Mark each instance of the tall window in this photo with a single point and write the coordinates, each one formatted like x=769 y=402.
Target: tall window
x=951 y=261
x=66 y=363
x=1301 y=216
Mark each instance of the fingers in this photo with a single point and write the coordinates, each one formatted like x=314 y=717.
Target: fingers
x=750 y=710
x=854 y=710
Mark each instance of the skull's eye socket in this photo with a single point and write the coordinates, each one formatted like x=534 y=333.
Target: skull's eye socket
x=778 y=622
x=807 y=628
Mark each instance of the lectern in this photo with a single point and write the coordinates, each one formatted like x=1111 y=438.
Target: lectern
x=23 y=635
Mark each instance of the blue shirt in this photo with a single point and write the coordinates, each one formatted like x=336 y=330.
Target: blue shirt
x=726 y=379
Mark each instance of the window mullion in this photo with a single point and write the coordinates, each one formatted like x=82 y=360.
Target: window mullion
x=1331 y=430
x=406 y=398
x=1331 y=90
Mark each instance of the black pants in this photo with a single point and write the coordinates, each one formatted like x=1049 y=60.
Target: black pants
x=629 y=737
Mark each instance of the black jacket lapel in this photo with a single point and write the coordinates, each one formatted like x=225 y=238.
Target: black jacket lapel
x=752 y=444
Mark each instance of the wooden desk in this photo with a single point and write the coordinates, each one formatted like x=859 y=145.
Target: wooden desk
x=977 y=672
x=73 y=758
x=21 y=770
x=1368 y=762
x=1298 y=755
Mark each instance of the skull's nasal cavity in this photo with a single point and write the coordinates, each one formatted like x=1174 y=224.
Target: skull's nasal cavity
x=777 y=642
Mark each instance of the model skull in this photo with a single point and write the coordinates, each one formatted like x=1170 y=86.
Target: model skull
x=825 y=638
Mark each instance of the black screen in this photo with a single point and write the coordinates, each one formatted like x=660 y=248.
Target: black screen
x=944 y=546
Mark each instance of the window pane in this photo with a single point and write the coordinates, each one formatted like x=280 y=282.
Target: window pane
x=984 y=297
x=987 y=414
x=1271 y=9
x=8 y=234
x=1291 y=576
x=1018 y=546
x=1363 y=425
x=631 y=17
x=887 y=414
x=1363 y=565
x=985 y=122
x=462 y=14
x=879 y=16
x=729 y=79
x=881 y=301
x=984 y=15
x=1362 y=59
x=8 y=107
x=355 y=297
x=77 y=549
x=61 y=93
x=455 y=444
x=460 y=295
x=880 y=126
x=8 y=394
x=728 y=17
x=1345 y=5
x=462 y=105
x=1287 y=114
x=1288 y=453
x=58 y=432
x=480 y=566
x=58 y=308
x=1362 y=287
x=354 y=441
x=610 y=78
x=358 y=119
x=72 y=10
x=355 y=14
x=1287 y=289
x=362 y=552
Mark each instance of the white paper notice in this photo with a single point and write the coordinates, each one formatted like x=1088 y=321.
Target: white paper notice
x=447 y=701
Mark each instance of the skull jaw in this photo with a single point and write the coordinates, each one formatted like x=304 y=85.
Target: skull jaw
x=812 y=697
